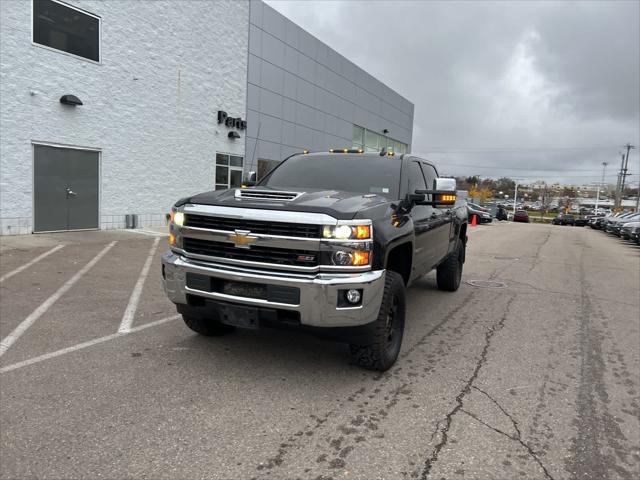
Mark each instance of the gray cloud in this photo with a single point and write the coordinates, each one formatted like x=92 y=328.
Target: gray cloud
x=500 y=84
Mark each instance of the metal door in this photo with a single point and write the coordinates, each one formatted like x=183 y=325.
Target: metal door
x=65 y=189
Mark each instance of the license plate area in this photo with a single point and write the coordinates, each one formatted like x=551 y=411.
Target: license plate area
x=239 y=316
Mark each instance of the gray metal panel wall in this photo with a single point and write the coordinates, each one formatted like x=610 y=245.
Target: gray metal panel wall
x=302 y=94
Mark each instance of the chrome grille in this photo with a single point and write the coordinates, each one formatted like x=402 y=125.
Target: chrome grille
x=254 y=226
x=277 y=256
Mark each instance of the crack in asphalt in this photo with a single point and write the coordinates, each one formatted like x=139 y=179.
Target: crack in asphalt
x=448 y=420
x=536 y=256
x=293 y=440
x=517 y=437
x=566 y=294
x=514 y=438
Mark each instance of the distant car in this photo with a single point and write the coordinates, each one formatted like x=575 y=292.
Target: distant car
x=634 y=233
x=616 y=226
x=475 y=206
x=482 y=216
x=629 y=231
x=581 y=221
x=595 y=222
x=564 y=219
x=521 y=216
x=610 y=218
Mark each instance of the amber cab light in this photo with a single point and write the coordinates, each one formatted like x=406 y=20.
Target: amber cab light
x=172 y=239
x=447 y=199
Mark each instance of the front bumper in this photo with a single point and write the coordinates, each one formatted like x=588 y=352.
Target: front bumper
x=318 y=292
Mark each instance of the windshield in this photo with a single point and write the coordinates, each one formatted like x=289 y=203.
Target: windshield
x=346 y=172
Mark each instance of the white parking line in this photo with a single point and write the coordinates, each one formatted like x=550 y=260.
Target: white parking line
x=32 y=262
x=149 y=233
x=38 y=312
x=132 y=306
x=80 y=346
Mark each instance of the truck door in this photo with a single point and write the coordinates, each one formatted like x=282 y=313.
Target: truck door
x=441 y=221
x=421 y=216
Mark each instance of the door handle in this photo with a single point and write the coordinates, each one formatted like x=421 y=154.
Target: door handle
x=71 y=193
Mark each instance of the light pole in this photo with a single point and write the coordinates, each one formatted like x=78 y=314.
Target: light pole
x=604 y=166
x=515 y=199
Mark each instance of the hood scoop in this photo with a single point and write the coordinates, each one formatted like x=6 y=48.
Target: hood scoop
x=276 y=195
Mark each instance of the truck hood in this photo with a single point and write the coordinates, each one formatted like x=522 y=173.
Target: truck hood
x=338 y=204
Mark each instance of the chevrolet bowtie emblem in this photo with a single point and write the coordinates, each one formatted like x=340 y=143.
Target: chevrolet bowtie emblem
x=242 y=239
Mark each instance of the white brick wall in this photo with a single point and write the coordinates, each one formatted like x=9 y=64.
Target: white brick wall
x=167 y=68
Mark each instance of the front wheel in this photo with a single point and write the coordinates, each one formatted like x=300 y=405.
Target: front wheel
x=449 y=272
x=383 y=345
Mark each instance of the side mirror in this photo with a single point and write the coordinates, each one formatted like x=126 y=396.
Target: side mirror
x=416 y=198
x=250 y=180
x=444 y=193
x=446 y=184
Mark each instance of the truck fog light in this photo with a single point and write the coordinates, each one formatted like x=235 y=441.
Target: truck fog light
x=341 y=258
x=353 y=296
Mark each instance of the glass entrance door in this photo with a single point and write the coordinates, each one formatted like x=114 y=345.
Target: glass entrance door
x=229 y=170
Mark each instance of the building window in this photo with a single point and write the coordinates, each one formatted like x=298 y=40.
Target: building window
x=67 y=29
x=228 y=171
x=371 y=141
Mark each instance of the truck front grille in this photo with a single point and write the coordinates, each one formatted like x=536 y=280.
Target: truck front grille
x=254 y=226
x=278 y=256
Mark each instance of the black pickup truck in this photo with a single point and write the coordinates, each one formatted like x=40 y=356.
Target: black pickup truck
x=325 y=243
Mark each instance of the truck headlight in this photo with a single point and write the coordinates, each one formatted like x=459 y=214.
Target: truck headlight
x=344 y=231
x=176 y=218
x=354 y=258
x=176 y=221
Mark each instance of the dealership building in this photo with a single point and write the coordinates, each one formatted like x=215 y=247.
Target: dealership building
x=112 y=110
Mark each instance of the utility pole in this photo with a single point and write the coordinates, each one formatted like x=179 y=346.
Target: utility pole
x=616 y=200
x=542 y=205
x=623 y=173
x=604 y=166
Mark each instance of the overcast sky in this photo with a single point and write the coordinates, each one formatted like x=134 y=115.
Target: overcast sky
x=538 y=90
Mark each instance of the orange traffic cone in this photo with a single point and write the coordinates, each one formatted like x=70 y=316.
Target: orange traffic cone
x=474 y=222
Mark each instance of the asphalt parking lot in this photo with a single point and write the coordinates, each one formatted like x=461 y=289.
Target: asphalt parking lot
x=530 y=370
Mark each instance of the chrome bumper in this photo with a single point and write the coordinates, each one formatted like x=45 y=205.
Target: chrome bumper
x=318 y=292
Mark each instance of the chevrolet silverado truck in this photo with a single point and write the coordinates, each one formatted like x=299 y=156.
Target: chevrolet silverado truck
x=325 y=243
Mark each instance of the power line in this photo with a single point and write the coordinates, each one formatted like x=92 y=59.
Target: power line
x=502 y=167
x=540 y=177
x=515 y=149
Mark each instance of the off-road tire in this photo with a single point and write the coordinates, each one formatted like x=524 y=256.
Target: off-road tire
x=207 y=327
x=449 y=272
x=380 y=351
